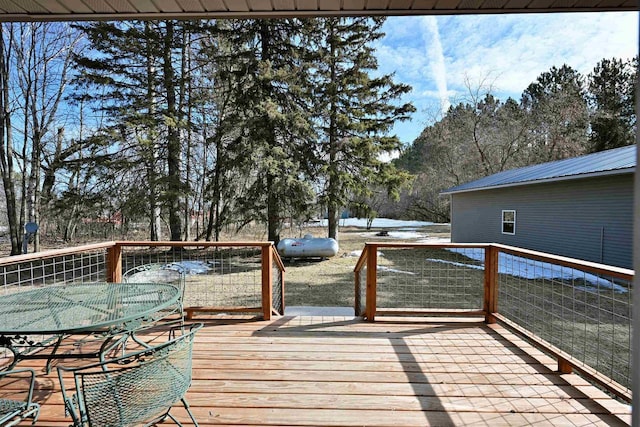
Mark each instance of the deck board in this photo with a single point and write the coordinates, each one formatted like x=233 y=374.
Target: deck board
x=334 y=371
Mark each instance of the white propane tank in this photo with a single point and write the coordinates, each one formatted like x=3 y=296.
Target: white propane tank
x=308 y=247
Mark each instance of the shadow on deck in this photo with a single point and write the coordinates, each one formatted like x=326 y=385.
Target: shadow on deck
x=342 y=371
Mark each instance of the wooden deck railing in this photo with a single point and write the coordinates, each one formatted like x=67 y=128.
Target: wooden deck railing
x=580 y=312
x=577 y=311
x=246 y=276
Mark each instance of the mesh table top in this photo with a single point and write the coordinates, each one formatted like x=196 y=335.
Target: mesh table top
x=81 y=307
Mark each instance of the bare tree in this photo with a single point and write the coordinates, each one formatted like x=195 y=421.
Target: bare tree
x=34 y=68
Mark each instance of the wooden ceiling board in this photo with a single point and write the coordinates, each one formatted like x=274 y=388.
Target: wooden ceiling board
x=540 y=4
x=168 y=6
x=447 y=4
x=423 y=4
x=237 y=5
x=76 y=6
x=400 y=4
x=357 y=5
x=53 y=7
x=214 y=5
x=99 y=6
x=32 y=5
x=517 y=4
x=260 y=5
x=586 y=3
x=330 y=5
x=563 y=3
x=284 y=5
x=191 y=6
x=121 y=6
x=306 y=5
x=611 y=3
x=46 y=10
x=10 y=7
x=468 y=4
x=377 y=4
x=145 y=6
x=492 y=4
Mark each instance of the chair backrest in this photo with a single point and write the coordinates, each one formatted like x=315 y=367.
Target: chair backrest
x=173 y=274
x=156 y=273
x=134 y=388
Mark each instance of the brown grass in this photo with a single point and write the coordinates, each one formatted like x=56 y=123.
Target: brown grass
x=330 y=282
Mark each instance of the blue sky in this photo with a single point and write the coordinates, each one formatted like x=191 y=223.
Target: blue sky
x=441 y=57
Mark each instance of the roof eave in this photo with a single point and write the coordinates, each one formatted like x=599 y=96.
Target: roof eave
x=621 y=171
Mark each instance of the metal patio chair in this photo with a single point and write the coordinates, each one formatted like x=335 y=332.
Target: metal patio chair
x=136 y=388
x=160 y=273
x=13 y=410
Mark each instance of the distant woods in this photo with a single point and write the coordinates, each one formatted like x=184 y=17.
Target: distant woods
x=562 y=114
x=184 y=130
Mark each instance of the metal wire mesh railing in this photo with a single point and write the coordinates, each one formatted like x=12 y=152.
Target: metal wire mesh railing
x=417 y=278
x=583 y=312
x=431 y=278
x=277 y=290
x=56 y=267
x=215 y=276
x=220 y=276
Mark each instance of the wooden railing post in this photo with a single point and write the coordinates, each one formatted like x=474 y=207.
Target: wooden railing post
x=114 y=263
x=357 y=292
x=267 y=282
x=372 y=282
x=490 y=283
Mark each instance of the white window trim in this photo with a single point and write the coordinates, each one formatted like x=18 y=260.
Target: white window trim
x=502 y=222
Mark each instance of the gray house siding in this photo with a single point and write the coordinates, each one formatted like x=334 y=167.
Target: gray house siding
x=589 y=219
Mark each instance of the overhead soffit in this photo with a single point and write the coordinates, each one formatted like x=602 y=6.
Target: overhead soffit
x=44 y=10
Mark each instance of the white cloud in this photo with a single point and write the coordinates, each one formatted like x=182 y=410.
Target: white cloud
x=508 y=52
x=431 y=37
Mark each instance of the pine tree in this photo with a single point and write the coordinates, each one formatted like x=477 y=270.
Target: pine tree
x=611 y=97
x=276 y=125
x=355 y=112
x=557 y=108
x=133 y=74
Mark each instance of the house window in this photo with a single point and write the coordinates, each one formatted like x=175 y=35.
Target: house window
x=508 y=222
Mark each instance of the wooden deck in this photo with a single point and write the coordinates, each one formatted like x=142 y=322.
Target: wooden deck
x=338 y=371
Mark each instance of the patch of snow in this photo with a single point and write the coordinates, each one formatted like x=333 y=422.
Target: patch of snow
x=191 y=267
x=377 y=223
x=393 y=270
x=358 y=254
x=434 y=240
x=404 y=234
x=530 y=269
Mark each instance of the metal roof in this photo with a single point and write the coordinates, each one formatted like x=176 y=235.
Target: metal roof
x=42 y=10
x=609 y=162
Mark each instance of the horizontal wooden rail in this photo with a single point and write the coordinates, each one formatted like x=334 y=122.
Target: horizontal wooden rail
x=53 y=253
x=191 y=244
x=591 y=267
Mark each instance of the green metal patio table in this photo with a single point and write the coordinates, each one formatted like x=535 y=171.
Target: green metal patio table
x=105 y=310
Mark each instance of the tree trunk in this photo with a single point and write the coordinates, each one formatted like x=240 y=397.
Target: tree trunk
x=332 y=185
x=174 y=185
x=6 y=148
x=155 y=211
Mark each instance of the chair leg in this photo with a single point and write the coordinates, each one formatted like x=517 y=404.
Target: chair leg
x=186 y=406
x=35 y=413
